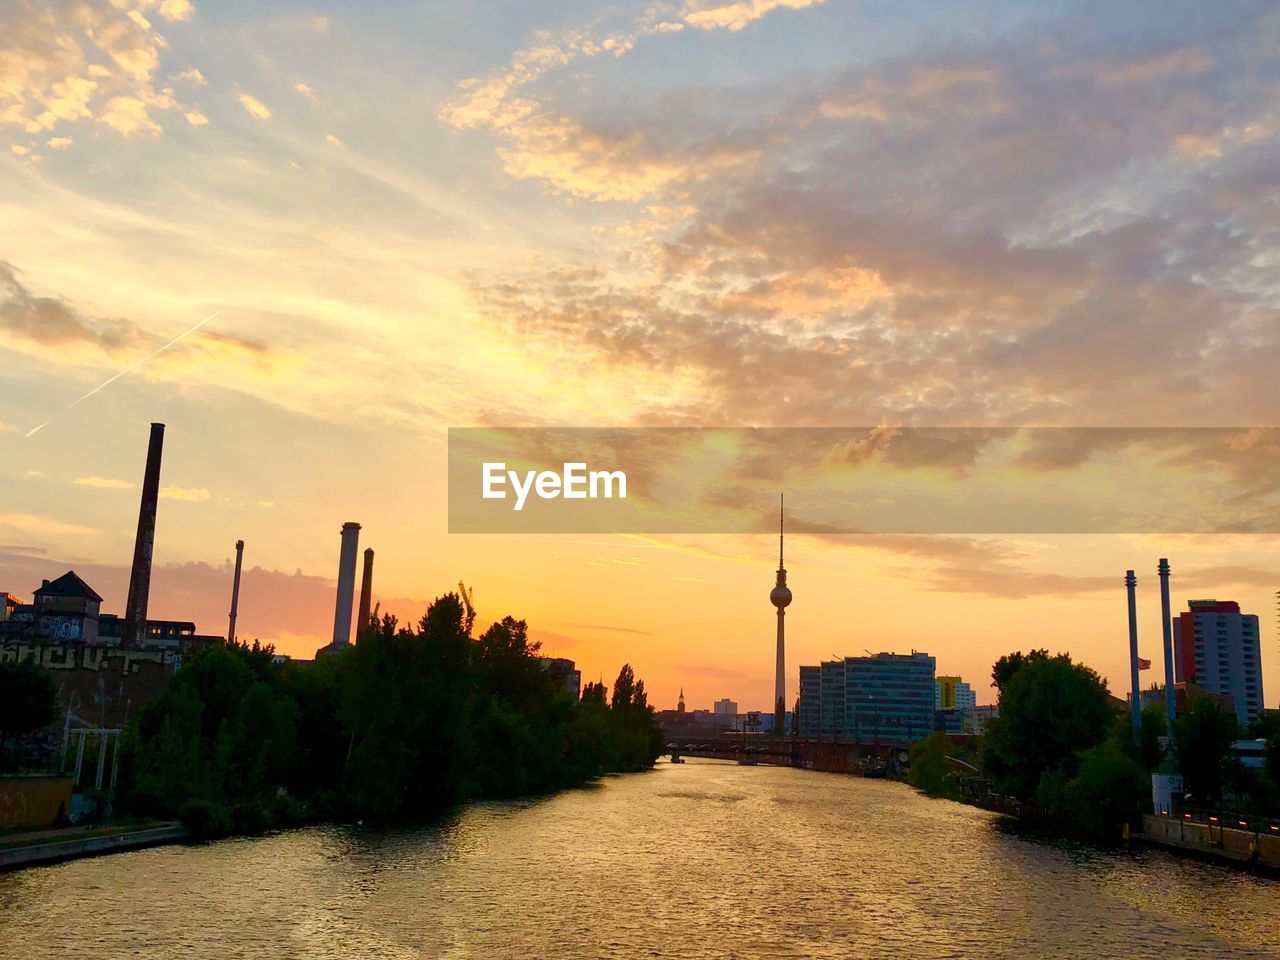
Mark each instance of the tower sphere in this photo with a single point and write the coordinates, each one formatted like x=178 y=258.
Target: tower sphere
x=780 y=596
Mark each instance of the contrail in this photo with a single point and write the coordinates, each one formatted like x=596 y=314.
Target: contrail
x=133 y=366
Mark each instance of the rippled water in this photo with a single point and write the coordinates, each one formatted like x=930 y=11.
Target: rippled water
x=702 y=860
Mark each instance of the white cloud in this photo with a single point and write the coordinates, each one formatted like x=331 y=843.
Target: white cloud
x=128 y=116
x=187 y=494
x=329 y=138
x=94 y=59
x=104 y=483
x=306 y=91
x=177 y=9
x=253 y=106
x=193 y=77
x=31 y=523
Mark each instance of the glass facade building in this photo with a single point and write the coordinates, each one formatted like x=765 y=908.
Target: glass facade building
x=885 y=698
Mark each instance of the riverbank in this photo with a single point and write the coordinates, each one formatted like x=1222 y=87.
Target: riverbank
x=1213 y=840
x=53 y=846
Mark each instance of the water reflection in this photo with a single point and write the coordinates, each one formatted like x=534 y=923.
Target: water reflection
x=700 y=860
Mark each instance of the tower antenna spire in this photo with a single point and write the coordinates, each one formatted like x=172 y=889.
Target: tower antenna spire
x=781 y=515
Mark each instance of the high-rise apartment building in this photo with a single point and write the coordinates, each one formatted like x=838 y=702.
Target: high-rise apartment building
x=1217 y=648
x=952 y=693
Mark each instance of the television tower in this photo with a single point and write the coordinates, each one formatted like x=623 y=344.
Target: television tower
x=780 y=597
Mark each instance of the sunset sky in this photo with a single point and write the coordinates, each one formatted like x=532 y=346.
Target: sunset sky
x=689 y=213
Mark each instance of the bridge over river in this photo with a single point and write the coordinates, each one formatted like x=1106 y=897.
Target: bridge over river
x=866 y=759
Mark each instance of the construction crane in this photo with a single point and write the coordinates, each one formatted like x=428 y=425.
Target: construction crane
x=466 y=604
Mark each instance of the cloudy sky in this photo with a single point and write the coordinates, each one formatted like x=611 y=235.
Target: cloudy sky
x=684 y=213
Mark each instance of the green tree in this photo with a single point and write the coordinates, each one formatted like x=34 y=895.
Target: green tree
x=403 y=722
x=1050 y=709
x=929 y=766
x=1202 y=737
x=1109 y=789
x=1153 y=728
x=28 y=699
x=1011 y=663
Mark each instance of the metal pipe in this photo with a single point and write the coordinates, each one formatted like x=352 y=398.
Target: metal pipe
x=235 y=592
x=103 y=736
x=1131 y=582
x=135 y=611
x=1166 y=624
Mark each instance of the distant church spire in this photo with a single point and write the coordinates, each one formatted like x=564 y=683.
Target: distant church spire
x=680 y=705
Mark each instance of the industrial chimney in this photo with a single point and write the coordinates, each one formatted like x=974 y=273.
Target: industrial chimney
x=135 y=611
x=366 y=591
x=1131 y=583
x=235 y=592
x=1166 y=623
x=346 y=584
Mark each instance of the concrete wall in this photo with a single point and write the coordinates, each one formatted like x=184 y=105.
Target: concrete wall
x=1227 y=842
x=89 y=846
x=33 y=801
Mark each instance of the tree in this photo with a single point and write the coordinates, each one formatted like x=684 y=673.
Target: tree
x=28 y=699
x=1050 y=709
x=929 y=767
x=1109 y=789
x=1202 y=737
x=402 y=723
x=1011 y=663
x=1153 y=728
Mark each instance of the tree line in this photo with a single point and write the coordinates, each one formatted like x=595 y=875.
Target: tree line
x=1061 y=742
x=401 y=724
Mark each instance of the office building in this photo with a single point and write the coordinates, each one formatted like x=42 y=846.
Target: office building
x=888 y=697
x=725 y=708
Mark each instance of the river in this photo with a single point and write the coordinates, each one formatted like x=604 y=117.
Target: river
x=700 y=860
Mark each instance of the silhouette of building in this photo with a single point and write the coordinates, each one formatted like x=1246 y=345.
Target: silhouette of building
x=725 y=708
x=1217 y=648
x=565 y=673
x=65 y=609
x=68 y=611
x=98 y=675
x=888 y=697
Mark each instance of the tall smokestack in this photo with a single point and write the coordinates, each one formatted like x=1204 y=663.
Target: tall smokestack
x=1166 y=623
x=1131 y=583
x=235 y=592
x=346 y=584
x=366 y=591
x=135 y=611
